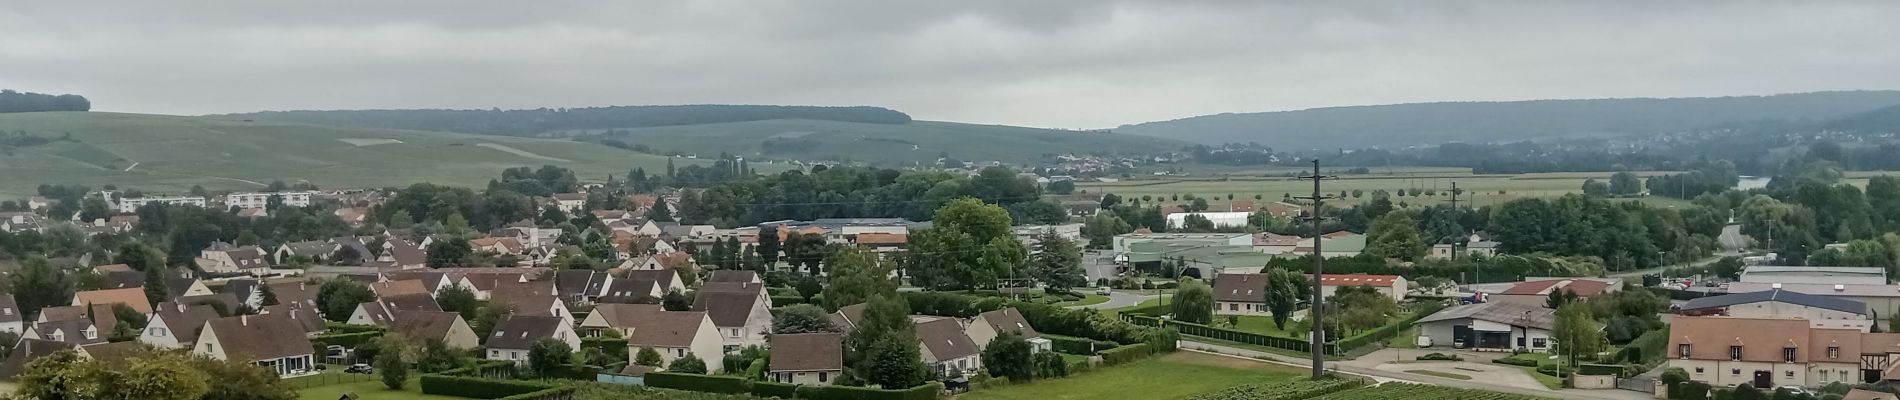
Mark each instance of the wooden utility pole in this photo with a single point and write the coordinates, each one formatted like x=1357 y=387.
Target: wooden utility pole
x=1454 y=209
x=1319 y=274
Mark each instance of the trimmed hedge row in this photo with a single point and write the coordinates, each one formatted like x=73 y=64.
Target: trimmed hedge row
x=1599 y=369
x=781 y=301
x=927 y=391
x=1516 y=361
x=735 y=385
x=1125 y=354
x=339 y=327
x=774 y=389
x=698 y=383
x=1193 y=329
x=555 y=393
x=607 y=344
x=347 y=340
x=1076 y=345
x=479 y=388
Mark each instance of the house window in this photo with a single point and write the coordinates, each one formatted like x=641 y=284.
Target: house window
x=1520 y=341
x=1789 y=373
x=1735 y=372
x=1833 y=352
x=514 y=355
x=1735 y=353
x=1682 y=350
x=679 y=352
x=1787 y=355
x=1698 y=370
x=494 y=354
x=1538 y=343
x=822 y=376
x=735 y=332
x=1232 y=307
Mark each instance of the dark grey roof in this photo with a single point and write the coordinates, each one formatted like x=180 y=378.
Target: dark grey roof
x=1534 y=316
x=519 y=332
x=1790 y=297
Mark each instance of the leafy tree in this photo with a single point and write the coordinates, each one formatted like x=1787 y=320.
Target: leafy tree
x=883 y=349
x=1008 y=355
x=1102 y=228
x=155 y=290
x=145 y=375
x=337 y=298
x=458 y=299
x=659 y=212
x=139 y=255
x=1358 y=308
x=856 y=275
x=1625 y=183
x=809 y=287
x=1283 y=294
x=768 y=247
x=1194 y=303
x=1057 y=262
x=1576 y=331
x=436 y=356
x=485 y=320
x=1559 y=297
x=1196 y=223
x=389 y=364
x=1049 y=364
x=690 y=364
x=1395 y=235
x=648 y=357
x=548 y=357
x=236 y=379
x=449 y=253
x=802 y=318
x=674 y=300
x=1593 y=188
x=1062 y=187
x=39 y=284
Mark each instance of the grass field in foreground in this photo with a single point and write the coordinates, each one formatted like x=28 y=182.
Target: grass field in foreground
x=1173 y=376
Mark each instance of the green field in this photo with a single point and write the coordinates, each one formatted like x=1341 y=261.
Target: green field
x=890 y=145
x=1174 y=376
x=170 y=154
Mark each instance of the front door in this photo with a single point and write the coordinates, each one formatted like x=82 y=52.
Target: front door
x=1870 y=375
x=1762 y=377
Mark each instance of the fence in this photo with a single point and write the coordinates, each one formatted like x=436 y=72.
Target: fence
x=1640 y=384
x=326 y=379
x=619 y=379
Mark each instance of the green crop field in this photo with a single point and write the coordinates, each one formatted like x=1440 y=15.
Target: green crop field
x=171 y=153
x=890 y=145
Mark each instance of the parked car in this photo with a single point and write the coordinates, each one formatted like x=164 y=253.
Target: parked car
x=360 y=369
x=1102 y=290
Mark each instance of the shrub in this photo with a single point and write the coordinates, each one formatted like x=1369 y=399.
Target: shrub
x=1440 y=357
x=1516 y=361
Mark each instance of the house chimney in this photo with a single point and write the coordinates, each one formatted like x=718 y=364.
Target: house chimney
x=1776 y=286
x=1839 y=288
x=244 y=320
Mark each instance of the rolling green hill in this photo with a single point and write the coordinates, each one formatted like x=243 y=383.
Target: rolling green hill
x=886 y=144
x=1433 y=123
x=172 y=153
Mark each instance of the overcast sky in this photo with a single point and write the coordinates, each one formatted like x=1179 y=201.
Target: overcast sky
x=1072 y=64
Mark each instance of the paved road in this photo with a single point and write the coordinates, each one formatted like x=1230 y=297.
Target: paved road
x=1350 y=368
x=1119 y=299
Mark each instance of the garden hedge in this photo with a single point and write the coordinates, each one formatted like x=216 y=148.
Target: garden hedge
x=554 y=393
x=1516 y=361
x=1076 y=345
x=774 y=389
x=347 y=340
x=927 y=391
x=479 y=388
x=1125 y=354
x=697 y=382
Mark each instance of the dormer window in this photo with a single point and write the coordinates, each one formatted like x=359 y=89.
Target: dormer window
x=92 y=334
x=1787 y=355
x=1833 y=352
x=1682 y=350
x=1735 y=353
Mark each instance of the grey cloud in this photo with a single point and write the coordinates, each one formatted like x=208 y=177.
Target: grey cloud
x=1039 y=63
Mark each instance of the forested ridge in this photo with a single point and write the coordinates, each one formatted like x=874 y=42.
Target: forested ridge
x=536 y=121
x=1431 y=123
x=14 y=101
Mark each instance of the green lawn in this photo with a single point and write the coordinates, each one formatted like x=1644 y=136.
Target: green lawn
x=1090 y=299
x=1174 y=376
x=1148 y=303
x=1259 y=324
x=1541 y=359
x=371 y=390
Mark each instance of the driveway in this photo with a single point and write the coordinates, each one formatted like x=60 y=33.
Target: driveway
x=1481 y=380
x=1120 y=299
